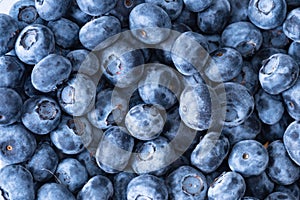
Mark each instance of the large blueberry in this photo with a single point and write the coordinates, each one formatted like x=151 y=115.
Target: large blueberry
x=291 y=25
x=291 y=141
x=172 y=7
x=52 y=9
x=120 y=182
x=35 y=42
x=259 y=186
x=96 y=7
x=279 y=195
x=54 y=191
x=11 y=71
x=291 y=98
x=9 y=30
x=197 y=6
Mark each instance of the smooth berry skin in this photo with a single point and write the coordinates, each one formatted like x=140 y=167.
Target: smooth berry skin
x=248 y=130
x=17 y=144
x=160 y=85
x=279 y=195
x=96 y=7
x=189 y=53
x=248 y=157
x=120 y=182
x=98 y=187
x=172 y=8
x=147 y=187
x=77 y=96
x=50 y=72
x=72 y=174
x=11 y=105
x=76 y=15
x=267 y=14
x=259 y=186
x=291 y=25
x=9 y=30
x=186 y=183
x=210 y=152
x=292 y=189
x=199 y=97
x=83 y=61
x=110 y=109
x=43 y=162
x=239 y=103
x=149 y=23
x=158 y=152
x=54 y=191
x=25 y=13
x=293 y=50
x=281 y=168
x=227 y=181
x=144 y=122
x=72 y=135
x=270 y=108
x=243 y=36
x=197 y=6
x=215 y=17
x=291 y=141
x=87 y=159
x=292 y=101
x=11 y=71
x=238 y=10
x=100 y=33
x=41 y=114
x=65 y=32
x=50 y=10
x=115 y=143
x=16 y=183
x=227 y=62
x=278 y=73
x=35 y=42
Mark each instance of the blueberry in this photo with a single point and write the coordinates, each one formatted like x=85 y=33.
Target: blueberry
x=229 y=185
x=120 y=182
x=35 y=42
x=291 y=100
x=87 y=159
x=239 y=103
x=98 y=187
x=71 y=173
x=275 y=38
x=269 y=107
x=259 y=186
x=238 y=10
x=187 y=17
x=110 y=108
x=149 y=23
x=144 y=122
x=214 y=18
x=76 y=15
x=243 y=36
x=11 y=105
x=153 y=156
x=291 y=141
x=291 y=25
x=210 y=152
x=227 y=64
x=172 y=7
x=122 y=65
x=248 y=130
x=52 y=9
x=147 y=187
x=248 y=157
x=65 y=32
x=50 y=72
x=100 y=33
x=72 y=135
x=16 y=183
x=54 y=191
x=9 y=30
x=267 y=14
x=11 y=71
x=279 y=195
x=281 y=169
x=189 y=53
x=115 y=143
x=84 y=61
x=186 y=183
x=197 y=6
x=292 y=189
x=160 y=85
x=249 y=198
x=293 y=51
x=96 y=7
x=41 y=114
x=278 y=73
x=77 y=96
x=43 y=162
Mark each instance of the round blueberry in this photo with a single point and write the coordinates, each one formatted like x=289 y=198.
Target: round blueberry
x=291 y=98
x=54 y=191
x=291 y=25
x=292 y=142
x=9 y=30
x=96 y=7
x=50 y=10
x=11 y=71
x=197 y=6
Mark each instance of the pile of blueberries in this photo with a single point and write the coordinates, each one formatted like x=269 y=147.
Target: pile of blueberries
x=150 y=100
